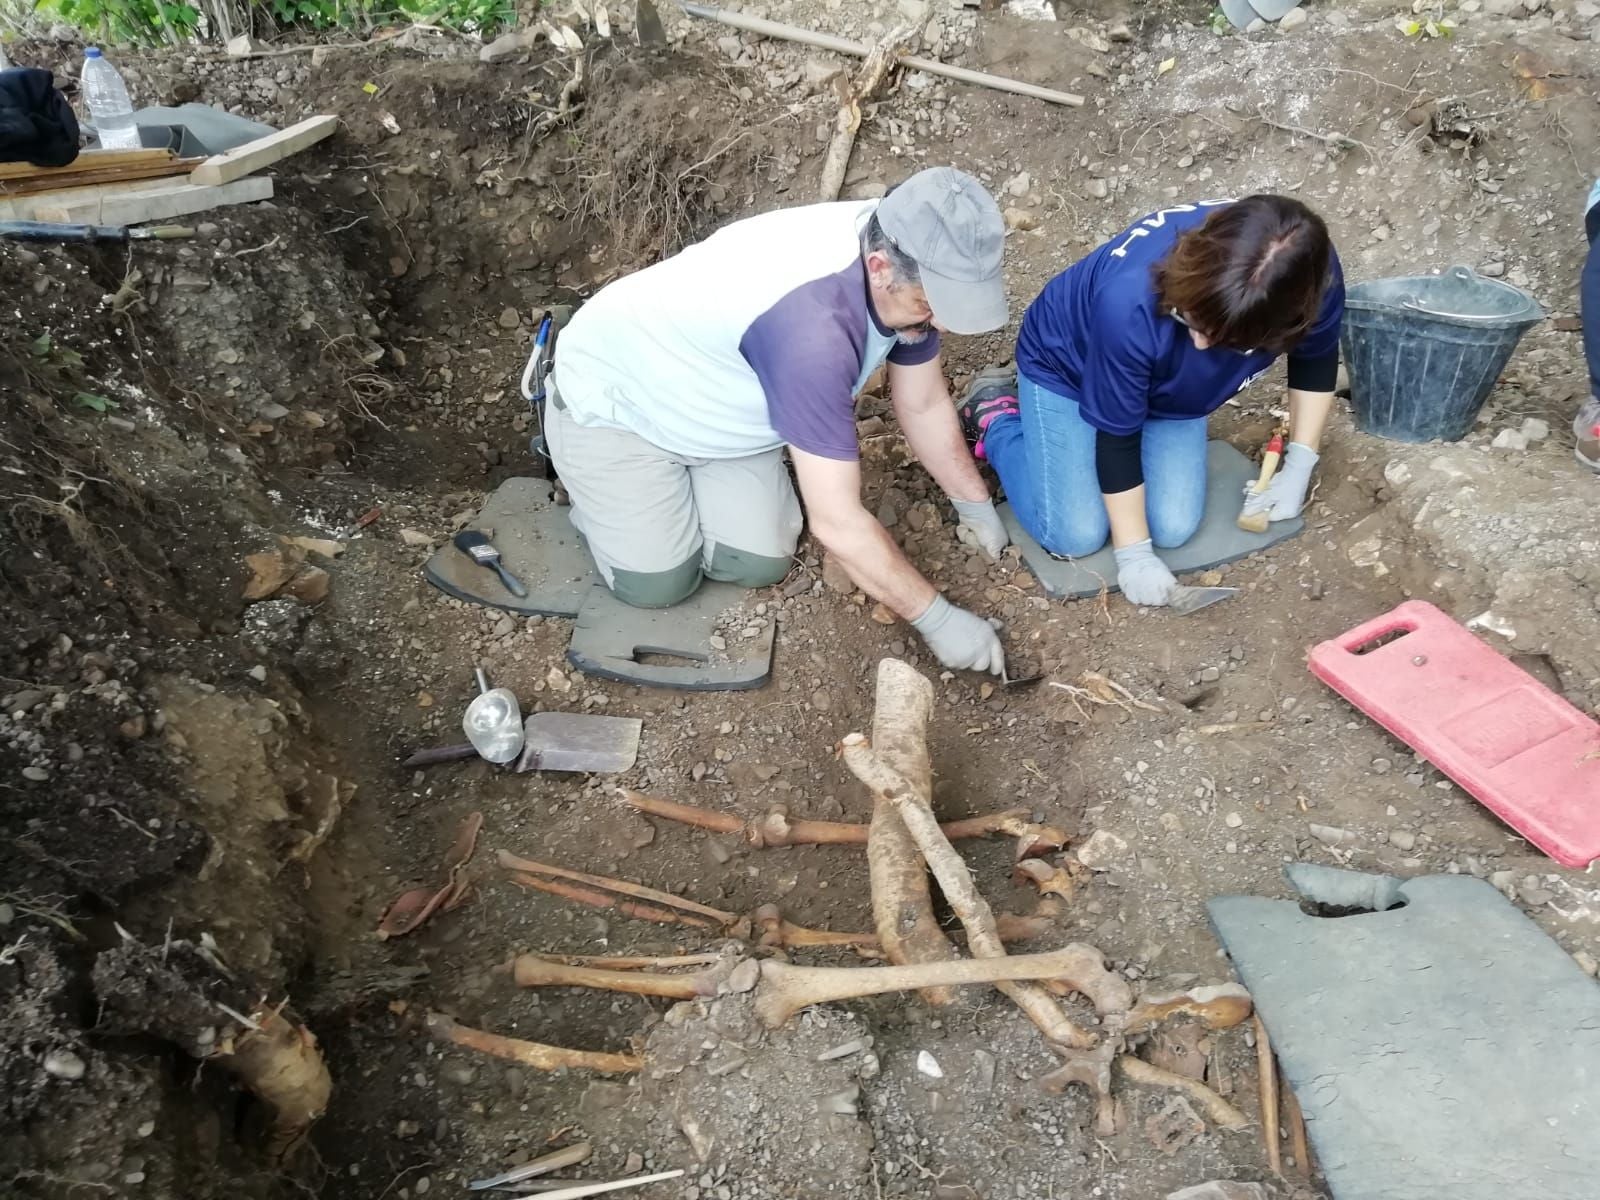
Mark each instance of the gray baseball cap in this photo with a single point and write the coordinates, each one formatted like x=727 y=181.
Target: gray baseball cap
x=947 y=221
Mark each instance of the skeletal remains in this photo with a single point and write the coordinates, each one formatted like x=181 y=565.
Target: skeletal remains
x=905 y=843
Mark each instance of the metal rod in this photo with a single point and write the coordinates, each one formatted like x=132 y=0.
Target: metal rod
x=482 y=677
x=827 y=41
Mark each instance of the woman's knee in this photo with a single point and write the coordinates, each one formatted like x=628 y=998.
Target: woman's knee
x=1076 y=535
x=1172 y=525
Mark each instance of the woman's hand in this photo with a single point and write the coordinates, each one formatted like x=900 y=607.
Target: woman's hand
x=1144 y=578
x=1285 y=496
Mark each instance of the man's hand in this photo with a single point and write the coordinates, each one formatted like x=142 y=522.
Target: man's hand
x=981 y=526
x=1143 y=577
x=1285 y=496
x=960 y=640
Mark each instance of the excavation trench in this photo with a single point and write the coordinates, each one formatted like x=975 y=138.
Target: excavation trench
x=205 y=812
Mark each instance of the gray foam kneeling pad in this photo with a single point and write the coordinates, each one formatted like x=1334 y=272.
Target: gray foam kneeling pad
x=1218 y=540
x=615 y=641
x=1443 y=1047
x=537 y=544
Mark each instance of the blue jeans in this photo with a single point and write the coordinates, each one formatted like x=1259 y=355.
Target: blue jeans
x=1045 y=458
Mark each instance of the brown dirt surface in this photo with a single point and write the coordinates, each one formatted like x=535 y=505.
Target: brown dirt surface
x=202 y=797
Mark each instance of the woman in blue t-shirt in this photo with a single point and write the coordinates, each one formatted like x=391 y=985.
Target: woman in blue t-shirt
x=1125 y=354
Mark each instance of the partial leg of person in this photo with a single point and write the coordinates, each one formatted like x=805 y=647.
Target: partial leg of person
x=749 y=518
x=634 y=506
x=1044 y=455
x=1174 y=458
x=1586 y=425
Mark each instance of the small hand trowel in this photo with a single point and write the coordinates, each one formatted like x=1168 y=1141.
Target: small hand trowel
x=1186 y=600
x=559 y=741
x=475 y=544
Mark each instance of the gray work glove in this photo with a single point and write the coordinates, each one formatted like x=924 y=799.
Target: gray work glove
x=1143 y=577
x=981 y=526
x=1285 y=496
x=960 y=640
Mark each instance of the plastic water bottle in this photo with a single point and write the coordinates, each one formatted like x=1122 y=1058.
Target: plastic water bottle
x=110 y=110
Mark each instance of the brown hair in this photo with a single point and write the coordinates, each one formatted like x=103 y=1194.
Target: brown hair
x=1252 y=276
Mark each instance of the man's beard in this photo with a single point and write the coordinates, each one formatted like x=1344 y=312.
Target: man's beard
x=910 y=335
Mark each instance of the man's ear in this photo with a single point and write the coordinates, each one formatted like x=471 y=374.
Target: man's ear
x=879 y=270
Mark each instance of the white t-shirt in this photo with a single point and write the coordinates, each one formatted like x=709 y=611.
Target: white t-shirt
x=758 y=337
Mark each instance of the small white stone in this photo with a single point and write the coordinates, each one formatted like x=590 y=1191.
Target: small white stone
x=928 y=1065
x=1233 y=820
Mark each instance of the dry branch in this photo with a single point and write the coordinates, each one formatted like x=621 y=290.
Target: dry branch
x=880 y=60
x=537 y=1055
x=1222 y=1114
x=630 y=962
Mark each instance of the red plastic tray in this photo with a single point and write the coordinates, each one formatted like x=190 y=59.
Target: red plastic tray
x=1524 y=752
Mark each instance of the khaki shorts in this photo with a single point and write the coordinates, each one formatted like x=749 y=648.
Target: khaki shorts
x=656 y=523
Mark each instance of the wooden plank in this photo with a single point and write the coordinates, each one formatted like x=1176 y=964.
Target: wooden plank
x=263 y=152
x=157 y=205
x=23 y=208
x=56 y=183
x=87 y=160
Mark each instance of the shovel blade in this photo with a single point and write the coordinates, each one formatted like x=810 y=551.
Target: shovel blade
x=555 y=741
x=1188 y=600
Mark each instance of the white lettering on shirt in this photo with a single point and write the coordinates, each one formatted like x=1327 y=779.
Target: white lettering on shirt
x=1159 y=221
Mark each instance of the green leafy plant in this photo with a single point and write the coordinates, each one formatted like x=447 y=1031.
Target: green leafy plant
x=1421 y=25
x=1219 y=23
x=99 y=404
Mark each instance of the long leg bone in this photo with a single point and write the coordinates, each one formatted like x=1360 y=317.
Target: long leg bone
x=910 y=801
x=784 y=989
x=902 y=903
x=530 y=1054
x=1225 y=1115
x=776 y=828
x=512 y=863
x=727 y=975
x=1267 y=1067
x=597 y=899
x=630 y=962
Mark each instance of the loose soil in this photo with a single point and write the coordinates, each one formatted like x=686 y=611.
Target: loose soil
x=217 y=781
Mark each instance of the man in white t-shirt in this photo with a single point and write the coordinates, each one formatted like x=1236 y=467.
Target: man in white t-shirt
x=676 y=390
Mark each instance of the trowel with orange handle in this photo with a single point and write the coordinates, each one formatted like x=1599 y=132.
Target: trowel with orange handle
x=1257 y=522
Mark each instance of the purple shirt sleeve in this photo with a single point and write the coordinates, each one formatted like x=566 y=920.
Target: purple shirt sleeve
x=806 y=350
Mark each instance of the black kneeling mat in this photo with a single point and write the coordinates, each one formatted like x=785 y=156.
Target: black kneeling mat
x=1218 y=540
x=537 y=544
x=673 y=647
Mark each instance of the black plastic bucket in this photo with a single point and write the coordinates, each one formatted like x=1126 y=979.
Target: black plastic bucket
x=1424 y=351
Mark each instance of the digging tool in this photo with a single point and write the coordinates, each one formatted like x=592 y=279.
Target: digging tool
x=493 y=721
x=536 y=380
x=1186 y=600
x=647 y=24
x=559 y=741
x=1257 y=522
x=56 y=231
x=475 y=544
